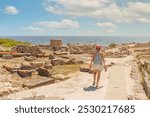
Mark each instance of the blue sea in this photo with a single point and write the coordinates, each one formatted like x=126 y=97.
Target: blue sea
x=102 y=40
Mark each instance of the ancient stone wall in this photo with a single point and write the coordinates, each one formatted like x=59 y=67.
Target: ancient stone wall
x=55 y=43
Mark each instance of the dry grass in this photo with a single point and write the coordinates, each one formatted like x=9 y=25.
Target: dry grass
x=67 y=69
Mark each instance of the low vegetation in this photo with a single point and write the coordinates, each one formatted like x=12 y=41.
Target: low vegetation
x=5 y=42
x=67 y=69
x=112 y=45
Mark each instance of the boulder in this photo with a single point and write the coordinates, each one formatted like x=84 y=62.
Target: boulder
x=44 y=72
x=29 y=58
x=56 y=61
x=26 y=66
x=7 y=56
x=84 y=69
x=37 y=64
x=11 y=68
x=48 y=65
x=51 y=56
x=24 y=73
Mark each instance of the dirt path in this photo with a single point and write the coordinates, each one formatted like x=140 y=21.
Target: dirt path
x=113 y=85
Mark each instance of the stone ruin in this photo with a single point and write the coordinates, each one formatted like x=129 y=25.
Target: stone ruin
x=33 y=49
x=55 y=42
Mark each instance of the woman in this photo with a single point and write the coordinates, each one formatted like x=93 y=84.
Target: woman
x=98 y=65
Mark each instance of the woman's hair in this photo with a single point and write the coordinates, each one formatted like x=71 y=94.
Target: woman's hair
x=98 y=47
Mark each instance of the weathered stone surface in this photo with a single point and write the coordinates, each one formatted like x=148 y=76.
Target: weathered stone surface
x=140 y=96
x=60 y=77
x=24 y=73
x=44 y=72
x=11 y=68
x=48 y=65
x=5 y=88
x=51 y=56
x=64 y=48
x=38 y=82
x=56 y=61
x=130 y=97
x=15 y=54
x=26 y=66
x=84 y=69
x=37 y=64
x=71 y=61
x=34 y=49
x=7 y=56
x=29 y=58
x=60 y=53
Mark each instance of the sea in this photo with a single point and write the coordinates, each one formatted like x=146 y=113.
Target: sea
x=101 y=40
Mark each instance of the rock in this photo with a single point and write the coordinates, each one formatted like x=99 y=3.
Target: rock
x=64 y=48
x=48 y=65
x=38 y=82
x=56 y=61
x=34 y=49
x=7 y=56
x=84 y=69
x=44 y=72
x=24 y=73
x=11 y=68
x=140 y=96
x=36 y=64
x=51 y=56
x=71 y=61
x=39 y=55
x=15 y=54
x=26 y=66
x=5 y=88
x=60 y=53
x=79 y=62
x=130 y=97
x=29 y=58
x=60 y=77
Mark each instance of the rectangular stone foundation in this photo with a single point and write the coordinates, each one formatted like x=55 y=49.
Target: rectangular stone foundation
x=38 y=82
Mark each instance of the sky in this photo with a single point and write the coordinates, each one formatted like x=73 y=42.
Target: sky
x=75 y=17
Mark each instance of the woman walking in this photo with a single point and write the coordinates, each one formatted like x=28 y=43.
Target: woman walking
x=98 y=64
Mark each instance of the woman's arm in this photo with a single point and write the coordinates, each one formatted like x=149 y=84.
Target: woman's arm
x=103 y=61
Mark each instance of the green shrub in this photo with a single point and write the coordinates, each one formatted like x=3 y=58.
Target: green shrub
x=112 y=45
x=5 y=42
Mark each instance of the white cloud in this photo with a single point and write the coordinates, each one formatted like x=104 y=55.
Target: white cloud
x=11 y=10
x=102 y=9
x=106 y=25
x=64 y=24
x=33 y=29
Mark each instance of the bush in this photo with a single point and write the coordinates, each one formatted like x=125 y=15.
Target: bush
x=112 y=45
x=5 y=42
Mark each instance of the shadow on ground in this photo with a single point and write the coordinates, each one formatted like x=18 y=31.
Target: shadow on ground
x=92 y=88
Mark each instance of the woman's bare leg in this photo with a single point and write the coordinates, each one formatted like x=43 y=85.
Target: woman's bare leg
x=94 y=77
x=98 y=77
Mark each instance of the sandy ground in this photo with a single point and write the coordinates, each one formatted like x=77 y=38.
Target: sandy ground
x=114 y=84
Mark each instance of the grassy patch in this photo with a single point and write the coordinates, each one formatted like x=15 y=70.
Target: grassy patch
x=5 y=42
x=66 y=69
x=112 y=45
